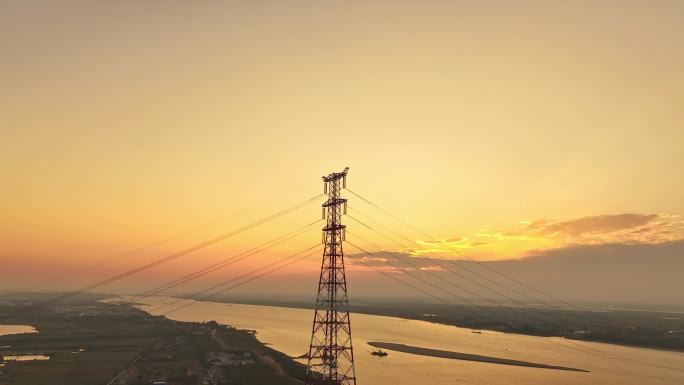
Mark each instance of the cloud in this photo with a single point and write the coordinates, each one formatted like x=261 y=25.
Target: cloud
x=594 y=224
x=394 y=261
x=603 y=229
x=547 y=234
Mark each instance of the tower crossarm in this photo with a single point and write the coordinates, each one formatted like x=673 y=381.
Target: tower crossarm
x=336 y=175
x=334 y=202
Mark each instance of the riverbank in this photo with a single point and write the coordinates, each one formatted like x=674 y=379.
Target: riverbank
x=91 y=342
x=288 y=330
x=645 y=329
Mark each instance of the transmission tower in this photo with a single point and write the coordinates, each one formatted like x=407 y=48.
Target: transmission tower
x=331 y=357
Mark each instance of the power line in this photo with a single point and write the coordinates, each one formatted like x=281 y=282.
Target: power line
x=479 y=263
x=359 y=260
x=415 y=277
x=161 y=242
x=214 y=267
x=199 y=296
x=391 y=215
x=438 y=262
x=578 y=347
x=179 y=254
x=225 y=262
x=458 y=264
x=518 y=311
x=434 y=274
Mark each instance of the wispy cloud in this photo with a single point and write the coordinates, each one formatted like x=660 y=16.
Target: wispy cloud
x=546 y=234
x=619 y=228
x=394 y=262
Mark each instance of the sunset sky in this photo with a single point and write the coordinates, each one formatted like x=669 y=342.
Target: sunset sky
x=500 y=128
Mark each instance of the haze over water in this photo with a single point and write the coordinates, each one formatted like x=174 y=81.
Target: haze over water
x=288 y=330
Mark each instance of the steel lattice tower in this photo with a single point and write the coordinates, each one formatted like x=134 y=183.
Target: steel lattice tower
x=331 y=357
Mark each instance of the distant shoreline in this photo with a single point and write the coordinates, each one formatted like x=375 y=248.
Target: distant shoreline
x=466 y=357
x=609 y=334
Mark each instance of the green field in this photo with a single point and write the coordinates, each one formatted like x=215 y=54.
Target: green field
x=91 y=342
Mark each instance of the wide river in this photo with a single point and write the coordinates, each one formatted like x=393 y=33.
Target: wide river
x=288 y=330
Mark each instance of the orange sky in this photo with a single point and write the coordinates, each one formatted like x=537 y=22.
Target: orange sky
x=498 y=128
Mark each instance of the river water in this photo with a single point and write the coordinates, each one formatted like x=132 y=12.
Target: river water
x=288 y=330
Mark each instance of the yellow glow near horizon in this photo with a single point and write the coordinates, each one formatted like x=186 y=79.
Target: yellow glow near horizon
x=124 y=123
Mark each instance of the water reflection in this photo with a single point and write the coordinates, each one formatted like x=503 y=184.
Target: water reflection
x=288 y=330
